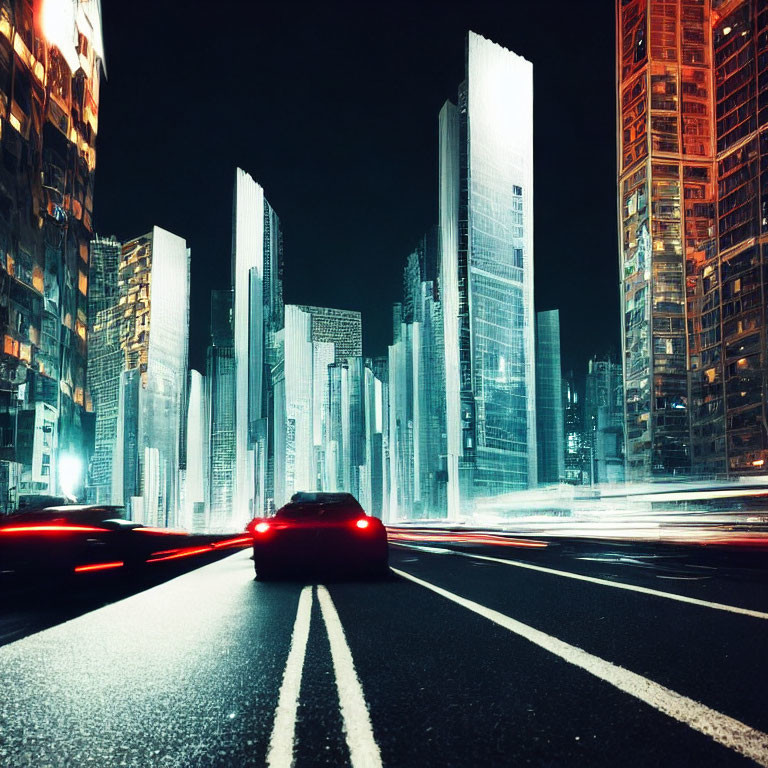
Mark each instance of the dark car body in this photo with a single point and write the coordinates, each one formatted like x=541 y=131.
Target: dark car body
x=56 y=542
x=319 y=531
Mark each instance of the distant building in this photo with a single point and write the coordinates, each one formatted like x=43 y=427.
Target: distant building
x=604 y=421
x=220 y=395
x=576 y=448
x=486 y=276
x=194 y=507
x=416 y=386
x=550 y=429
x=257 y=275
x=321 y=420
x=341 y=327
x=153 y=312
x=105 y=362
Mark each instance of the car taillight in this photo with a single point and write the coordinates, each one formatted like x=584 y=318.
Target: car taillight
x=362 y=523
x=262 y=527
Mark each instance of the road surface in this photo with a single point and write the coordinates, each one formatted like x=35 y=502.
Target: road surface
x=547 y=657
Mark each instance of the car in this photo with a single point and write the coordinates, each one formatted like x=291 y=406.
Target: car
x=58 y=542
x=328 y=532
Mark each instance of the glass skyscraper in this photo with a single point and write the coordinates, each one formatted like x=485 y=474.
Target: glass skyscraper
x=486 y=236
x=220 y=383
x=550 y=429
x=320 y=396
x=50 y=72
x=105 y=362
x=604 y=421
x=153 y=318
x=257 y=279
x=692 y=217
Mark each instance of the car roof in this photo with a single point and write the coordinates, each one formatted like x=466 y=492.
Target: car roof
x=322 y=497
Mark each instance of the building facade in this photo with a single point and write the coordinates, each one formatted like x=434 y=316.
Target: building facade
x=604 y=420
x=550 y=429
x=220 y=388
x=153 y=308
x=321 y=391
x=416 y=386
x=50 y=72
x=105 y=362
x=257 y=284
x=486 y=242
x=690 y=75
x=576 y=463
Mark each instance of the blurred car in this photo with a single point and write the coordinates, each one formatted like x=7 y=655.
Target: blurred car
x=61 y=541
x=320 y=531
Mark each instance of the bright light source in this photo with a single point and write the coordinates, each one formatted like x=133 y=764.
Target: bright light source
x=727 y=30
x=362 y=523
x=758 y=462
x=70 y=474
x=57 y=20
x=262 y=527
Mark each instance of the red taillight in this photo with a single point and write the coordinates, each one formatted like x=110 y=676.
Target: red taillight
x=261 y=527
x=362 y=523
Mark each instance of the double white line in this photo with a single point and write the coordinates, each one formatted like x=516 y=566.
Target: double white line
x=363 y=750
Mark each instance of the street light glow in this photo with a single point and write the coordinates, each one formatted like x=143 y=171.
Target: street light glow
x=70 y=474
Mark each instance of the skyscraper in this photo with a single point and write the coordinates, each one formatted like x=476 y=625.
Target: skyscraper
x=666 y=209
x=194 y=513
x=576 y=463
x=416 y=382
x=691 y=221
x=319 y=386
x=604 y=421
x=550 y=429
x=257 y=280
x=733 y=415
x=50 y=70
x=220 y=382
x=342 y=327
x=105 y=361
x=154 y=321
x=486 y=240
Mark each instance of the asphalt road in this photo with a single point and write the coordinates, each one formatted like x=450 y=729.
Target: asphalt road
x=456 y=660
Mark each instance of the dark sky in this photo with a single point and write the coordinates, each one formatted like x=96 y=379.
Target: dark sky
x=333 y=108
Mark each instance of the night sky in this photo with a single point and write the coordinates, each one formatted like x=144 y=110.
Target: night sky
x=333 y=107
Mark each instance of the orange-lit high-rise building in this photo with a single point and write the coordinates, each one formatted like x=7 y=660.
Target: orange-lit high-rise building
x=690 y=217
x=51 y=56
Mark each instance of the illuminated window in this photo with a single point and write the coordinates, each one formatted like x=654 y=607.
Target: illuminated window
x=11 y=346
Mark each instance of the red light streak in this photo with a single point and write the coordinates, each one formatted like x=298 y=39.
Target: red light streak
x=53 y=529
x=261 y=527
x=174 y=554
x=99 y=566
x=232 y=542
x=163 y=531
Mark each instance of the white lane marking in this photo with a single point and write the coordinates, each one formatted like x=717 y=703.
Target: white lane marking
x=280 y=753
x=615 y=584
x=363 y=749
x=723 y=729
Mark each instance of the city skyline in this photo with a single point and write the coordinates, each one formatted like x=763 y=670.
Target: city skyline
x=388 y=157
